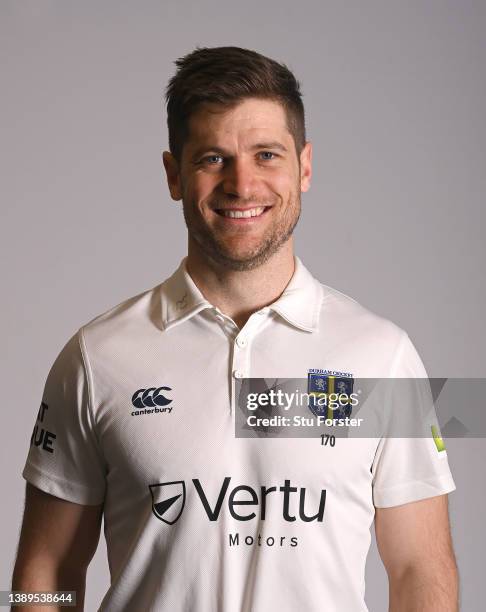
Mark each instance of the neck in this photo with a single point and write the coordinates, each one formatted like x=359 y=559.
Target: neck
x=238 y=294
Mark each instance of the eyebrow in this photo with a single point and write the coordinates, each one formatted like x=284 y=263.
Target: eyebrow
x=274 y=144
x=220 y=151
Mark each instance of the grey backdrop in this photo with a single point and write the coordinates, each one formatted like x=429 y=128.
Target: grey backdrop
x=395 y=99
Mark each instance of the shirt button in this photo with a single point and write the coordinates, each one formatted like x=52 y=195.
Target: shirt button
x=238 y=374
x=241 y=341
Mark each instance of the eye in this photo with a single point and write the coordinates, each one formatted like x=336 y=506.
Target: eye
x=212 y=160
x=267 y=155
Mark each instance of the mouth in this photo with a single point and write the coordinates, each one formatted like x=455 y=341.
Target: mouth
x=242 y=213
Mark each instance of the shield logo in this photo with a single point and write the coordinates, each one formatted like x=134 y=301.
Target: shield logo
x=168 y=499
x=320 y=385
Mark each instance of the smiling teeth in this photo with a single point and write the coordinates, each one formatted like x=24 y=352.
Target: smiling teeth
x=238 y=214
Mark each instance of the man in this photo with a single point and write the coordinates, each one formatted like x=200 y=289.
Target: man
x=138 y=416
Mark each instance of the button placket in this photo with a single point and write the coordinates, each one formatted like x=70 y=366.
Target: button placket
x=239 y=365
x=241 y=353
x=240 y=357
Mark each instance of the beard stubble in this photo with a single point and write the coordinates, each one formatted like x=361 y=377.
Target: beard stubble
x=273 y=239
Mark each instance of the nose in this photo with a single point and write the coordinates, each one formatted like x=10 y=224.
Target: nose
x=239 y=178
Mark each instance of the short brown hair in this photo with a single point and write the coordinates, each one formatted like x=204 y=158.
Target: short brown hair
x=226 y=76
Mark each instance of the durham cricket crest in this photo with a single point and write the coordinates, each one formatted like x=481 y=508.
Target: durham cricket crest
x=329 y=393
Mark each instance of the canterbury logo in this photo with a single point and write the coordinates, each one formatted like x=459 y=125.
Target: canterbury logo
x=151 y=397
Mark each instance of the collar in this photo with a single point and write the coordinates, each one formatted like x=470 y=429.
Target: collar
x=299 y=304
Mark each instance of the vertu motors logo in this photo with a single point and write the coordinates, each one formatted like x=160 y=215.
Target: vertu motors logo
x=168 y=500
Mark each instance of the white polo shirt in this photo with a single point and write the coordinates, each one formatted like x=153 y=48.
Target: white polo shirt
x=138 y=413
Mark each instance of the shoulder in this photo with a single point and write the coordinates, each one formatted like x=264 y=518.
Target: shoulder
x=348 y=314
x=371 y=340
x=135 y=316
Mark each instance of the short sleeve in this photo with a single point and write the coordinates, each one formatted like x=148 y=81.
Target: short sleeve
x=64 y=457
x=407 y=469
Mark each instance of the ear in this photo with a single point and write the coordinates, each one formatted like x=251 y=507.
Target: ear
x=306 y=167
x=173 y=175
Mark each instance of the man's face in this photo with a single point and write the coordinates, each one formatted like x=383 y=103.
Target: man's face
x=240 y=181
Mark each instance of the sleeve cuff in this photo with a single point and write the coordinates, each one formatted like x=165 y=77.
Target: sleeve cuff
x=68 y=490
x=413 y=491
